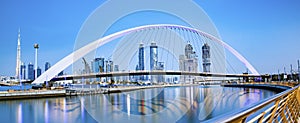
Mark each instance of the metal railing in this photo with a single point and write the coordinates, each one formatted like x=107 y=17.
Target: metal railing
x=283 y=107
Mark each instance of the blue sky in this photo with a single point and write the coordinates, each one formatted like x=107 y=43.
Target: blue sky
x=265 y=32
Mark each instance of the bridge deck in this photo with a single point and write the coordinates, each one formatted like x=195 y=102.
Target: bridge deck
x=137 y=73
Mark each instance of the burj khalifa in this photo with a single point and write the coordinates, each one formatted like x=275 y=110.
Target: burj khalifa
x=18 y=57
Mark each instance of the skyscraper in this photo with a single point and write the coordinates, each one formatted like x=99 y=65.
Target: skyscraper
x=111 y=66
x=38 y=72
x=60 y=73
x=153 y=56
x=206 y=57
x=141 y=61
x=189 y=63
x=141 y=65
x=18 y=56
x=23 y=71
x=47 y=66
x=116 y=69
x=153 y=60
x=160 y=66
x=30 y=72
x=98 y=65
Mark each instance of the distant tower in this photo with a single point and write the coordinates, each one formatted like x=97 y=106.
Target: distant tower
x=141 y=65
x=111 y=66
x=47 y=66
x=36 y=47
x=38 y=72
x=153 y=60
x=23 y=71
x=18 y=56
x=30 y=71
x=106 y=66
x=153 y=56
x=189 y=51
x=188 y=63
x=206 y=57
x=161 y=67
x=98 y=65
x=60 y=73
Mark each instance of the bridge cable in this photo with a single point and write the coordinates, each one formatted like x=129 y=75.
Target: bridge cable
x=126 y=44
x=134 y=37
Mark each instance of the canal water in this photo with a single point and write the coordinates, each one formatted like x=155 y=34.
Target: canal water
x=172 y=104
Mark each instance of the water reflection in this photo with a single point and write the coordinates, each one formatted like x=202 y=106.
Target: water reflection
x=174 y=104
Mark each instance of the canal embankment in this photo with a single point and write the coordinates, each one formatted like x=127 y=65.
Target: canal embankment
x=275 y=88
x=41 y=93
x=11 y=94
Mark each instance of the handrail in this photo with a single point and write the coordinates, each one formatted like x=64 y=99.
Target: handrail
x=244 y=113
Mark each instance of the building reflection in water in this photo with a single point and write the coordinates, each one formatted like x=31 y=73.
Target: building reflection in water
x=19 y=115
x=173 y=104
x=46 y=111
x=128 y=104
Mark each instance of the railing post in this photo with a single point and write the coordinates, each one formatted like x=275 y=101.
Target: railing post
x=262 y=117
x=274 y=111
x=294 y=106
x=282 y=115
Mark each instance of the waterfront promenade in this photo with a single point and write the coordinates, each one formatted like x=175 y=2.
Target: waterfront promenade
x=11 y=94
x=74 y=91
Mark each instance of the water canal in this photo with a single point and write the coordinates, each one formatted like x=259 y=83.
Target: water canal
x=172 y=104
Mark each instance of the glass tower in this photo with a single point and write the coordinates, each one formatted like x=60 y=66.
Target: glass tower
x=47 y=66
x=23 y=71
x=206 y=57
x=30 y=72
x=141 y=65
x=153 y=56
x=38 y=72
x=98 y=65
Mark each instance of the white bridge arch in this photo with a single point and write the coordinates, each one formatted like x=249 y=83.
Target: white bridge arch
x=76 y=55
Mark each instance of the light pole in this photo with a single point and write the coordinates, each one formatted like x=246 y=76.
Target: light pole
x=36 y=47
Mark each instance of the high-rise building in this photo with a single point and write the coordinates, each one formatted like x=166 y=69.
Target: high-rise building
x=47 y=66
x=141 y=61
x=153 y=60
x=141 y=65
x=161 y=67
x=98 y=65
x=18 y=65
x=38 y=72
x=60 y=73
x=111 y=66
x=206 y=57
x=153 y=56
x=106 y=66
x=30 y=71
x=23 y=71
x=188 y=63
x=116 y=69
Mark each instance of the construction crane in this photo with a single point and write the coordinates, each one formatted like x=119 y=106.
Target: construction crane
x=87 y=69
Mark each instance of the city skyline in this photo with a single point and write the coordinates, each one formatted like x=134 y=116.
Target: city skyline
x=248 y=40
